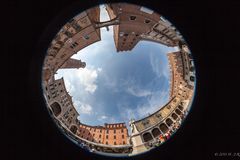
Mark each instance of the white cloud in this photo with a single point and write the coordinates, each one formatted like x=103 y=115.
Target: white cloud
x=76 y=79
x=138 y=92
x=83 y=108
x=153 y=103
x=99 y=69
x=158 y=68
x=131 y=86
x=69 y=86
x=103 y=117
x=104 y=15
x=87 y=78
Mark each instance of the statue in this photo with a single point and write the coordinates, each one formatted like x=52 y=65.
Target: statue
x=132 y=125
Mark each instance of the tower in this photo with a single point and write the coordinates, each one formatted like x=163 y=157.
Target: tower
x=73 y=63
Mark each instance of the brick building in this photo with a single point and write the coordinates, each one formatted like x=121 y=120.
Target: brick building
x=179 y=67
x=75 y=35
x=109 y=134
x=139 y=23
x=134 y=21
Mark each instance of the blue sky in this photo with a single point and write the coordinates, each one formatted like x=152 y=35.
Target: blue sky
x=117 y=86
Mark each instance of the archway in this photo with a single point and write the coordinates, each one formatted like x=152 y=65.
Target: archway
x=174 y=116
x=178 y=111
x=56 y=108
x=163 y=127
x=169 y=122
x=147 y=137
x=180 y=107
x=156 y=132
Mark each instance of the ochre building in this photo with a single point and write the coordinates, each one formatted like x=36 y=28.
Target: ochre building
x=109 y=134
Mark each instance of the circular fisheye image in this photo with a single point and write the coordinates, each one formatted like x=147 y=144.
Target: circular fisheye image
x=118 y=79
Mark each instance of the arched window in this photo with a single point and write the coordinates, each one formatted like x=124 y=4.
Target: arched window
x=156 y=132
x=147 y=137
x=169 y=122
x=192 y=78
x=174 y=116
x=178 y=111
x=163 y=127
x=56 y=108
x=180 y=107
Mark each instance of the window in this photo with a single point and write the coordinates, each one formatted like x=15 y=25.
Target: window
x=191 y=78
x=122 y=136
x=114 y=130
x=125 y=34
x=107 y=131
x=106 y=136
x=147 y=21
x=100 y=136
x=132 y=18
x=100 y=130
x=146 y=10
x=121 y=34
x=114 y=137
x=123 y=142
x=86 y=37
x=93 y=134
x=122 y=130
x=106 y=142
x=115 y=143
x=69 y=34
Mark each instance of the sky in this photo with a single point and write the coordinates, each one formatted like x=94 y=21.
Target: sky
x=115 y=86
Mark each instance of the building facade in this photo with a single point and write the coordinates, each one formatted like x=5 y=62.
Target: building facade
x=75 y=35
x=188 y=65
x=60 y=104
x=148 y=130
x=163 y=32
x=139 y=23
x=179 y=68
x=134 y=20
x=109 y=134
x=73 y=63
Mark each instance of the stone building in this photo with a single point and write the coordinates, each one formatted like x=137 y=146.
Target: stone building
x=179 y=67
x=75 y=35
x=148 y=129
x=60 y=104
x=109 y=134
